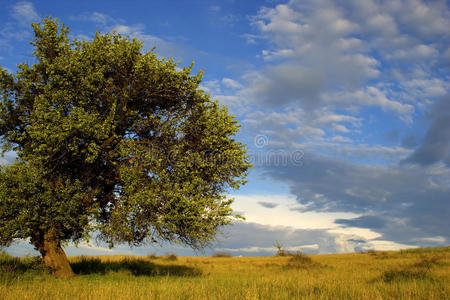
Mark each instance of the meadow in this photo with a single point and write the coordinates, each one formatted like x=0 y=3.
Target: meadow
x=406 y=274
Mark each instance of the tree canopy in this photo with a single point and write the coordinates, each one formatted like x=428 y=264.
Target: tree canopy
x=114 y=140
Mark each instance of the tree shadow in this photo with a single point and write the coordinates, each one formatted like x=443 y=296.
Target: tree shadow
x=14 y=268
x=136 y=267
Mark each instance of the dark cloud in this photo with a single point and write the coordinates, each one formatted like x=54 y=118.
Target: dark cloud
x=404 y=204
x=267 y=204
x=356 y=241
x=436 y=144
x=372 y=222
x=409 y=141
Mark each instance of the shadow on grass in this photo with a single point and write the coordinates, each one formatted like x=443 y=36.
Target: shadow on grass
x=401 y=275
x=12 y=268
x=420 y=270
x=136 y=267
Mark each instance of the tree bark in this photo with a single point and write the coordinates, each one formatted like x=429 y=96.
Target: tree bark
x=52 y=253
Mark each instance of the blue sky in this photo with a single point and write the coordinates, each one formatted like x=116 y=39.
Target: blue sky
x=344 y=106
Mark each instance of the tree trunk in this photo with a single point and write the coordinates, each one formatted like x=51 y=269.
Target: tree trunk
x=52 y=253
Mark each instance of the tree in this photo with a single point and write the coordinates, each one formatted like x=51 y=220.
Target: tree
x=112 y=140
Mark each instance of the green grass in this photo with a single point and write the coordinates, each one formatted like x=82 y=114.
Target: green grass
x=418 y=274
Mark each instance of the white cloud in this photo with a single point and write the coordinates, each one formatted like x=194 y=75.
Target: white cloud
x=211 y=87
x=286 y=213
x=423 y=18
x=371 y=96
x=89 y=247
x=328 y=117
x=419 y=52
x=230 y=83
x=96 y=17
x=381 y=245
x=433 y=239
x=128 y=30
x=340 y=128
x=24 y=13
x=341 y=139
x=326 y=49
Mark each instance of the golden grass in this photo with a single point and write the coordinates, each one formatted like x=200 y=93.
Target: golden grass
x=412 y=274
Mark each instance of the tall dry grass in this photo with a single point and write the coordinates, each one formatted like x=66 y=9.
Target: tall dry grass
x=418 y=274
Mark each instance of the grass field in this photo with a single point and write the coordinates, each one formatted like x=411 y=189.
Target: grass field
x=408 y=274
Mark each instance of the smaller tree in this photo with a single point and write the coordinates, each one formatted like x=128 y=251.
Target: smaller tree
x=114 y=140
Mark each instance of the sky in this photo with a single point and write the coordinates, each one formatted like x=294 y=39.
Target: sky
x=344 y=107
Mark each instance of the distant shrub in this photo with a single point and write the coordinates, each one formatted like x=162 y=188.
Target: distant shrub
x=152 y=256
x=417 y=271
x=222 y=255
x=427 y=261
x=171 y=257
x=378 y=254
x=300 y=261
x=425 y=250
x=400 y=275
x=280 y=250
x=382 y=255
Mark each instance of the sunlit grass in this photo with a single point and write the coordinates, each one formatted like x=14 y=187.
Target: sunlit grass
x=411 y=274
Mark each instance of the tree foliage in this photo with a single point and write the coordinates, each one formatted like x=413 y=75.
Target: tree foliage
x=114 y=140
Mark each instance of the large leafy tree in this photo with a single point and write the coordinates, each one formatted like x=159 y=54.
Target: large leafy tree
x=113 y=140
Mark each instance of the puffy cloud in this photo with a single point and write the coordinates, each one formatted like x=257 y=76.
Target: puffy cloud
x=371 y=96
x=291 y=125
x=332 y=54
x=427 y=19
x=419 y=52
x=230 y=83
x=341 y=139
x=96 y=17
x=24 y=13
